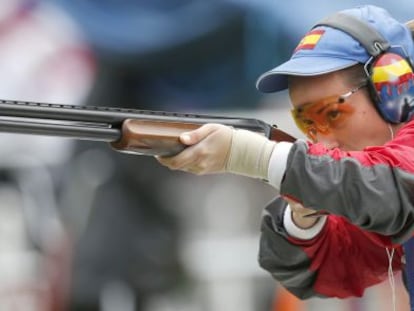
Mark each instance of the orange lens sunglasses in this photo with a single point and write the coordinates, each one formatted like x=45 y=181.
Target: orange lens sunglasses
x=324 y=115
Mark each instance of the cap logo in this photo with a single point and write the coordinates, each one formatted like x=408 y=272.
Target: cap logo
x=310 y=40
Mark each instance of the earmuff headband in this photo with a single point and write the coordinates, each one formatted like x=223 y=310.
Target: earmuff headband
x=370 y=39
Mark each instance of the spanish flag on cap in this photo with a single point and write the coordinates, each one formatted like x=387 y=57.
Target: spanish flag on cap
x=310 y=40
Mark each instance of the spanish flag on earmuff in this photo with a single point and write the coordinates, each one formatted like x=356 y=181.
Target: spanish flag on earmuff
x=393 y=81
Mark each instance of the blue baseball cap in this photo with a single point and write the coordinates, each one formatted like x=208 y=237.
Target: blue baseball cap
x=325 y=49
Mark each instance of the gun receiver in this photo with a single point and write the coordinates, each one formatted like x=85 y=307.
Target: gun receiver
x=144 y=132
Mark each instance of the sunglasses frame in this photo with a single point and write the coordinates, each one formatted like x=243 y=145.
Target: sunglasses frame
x=311 y=129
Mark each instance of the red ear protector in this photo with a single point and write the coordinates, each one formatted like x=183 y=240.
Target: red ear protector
x=389 y=71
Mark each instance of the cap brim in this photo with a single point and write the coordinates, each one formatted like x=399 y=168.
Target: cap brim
x=276 y=79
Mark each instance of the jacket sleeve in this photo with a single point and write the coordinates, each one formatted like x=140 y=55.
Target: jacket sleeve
x=341 y=261
x=372 y=188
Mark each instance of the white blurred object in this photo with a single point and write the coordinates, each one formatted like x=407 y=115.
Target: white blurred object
x=42 y=58
x=42 y=55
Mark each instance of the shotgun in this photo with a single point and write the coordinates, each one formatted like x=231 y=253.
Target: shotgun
x=142 y=132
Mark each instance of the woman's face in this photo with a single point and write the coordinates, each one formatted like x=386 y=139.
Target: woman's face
x=349 y=124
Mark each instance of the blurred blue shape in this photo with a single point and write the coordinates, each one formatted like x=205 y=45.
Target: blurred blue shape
x=146 y=26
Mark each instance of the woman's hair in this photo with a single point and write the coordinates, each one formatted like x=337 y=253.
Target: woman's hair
x=355 y=76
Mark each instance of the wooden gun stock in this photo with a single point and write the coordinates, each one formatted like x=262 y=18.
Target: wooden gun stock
x=143 y=132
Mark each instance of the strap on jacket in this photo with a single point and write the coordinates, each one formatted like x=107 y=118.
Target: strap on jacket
x=409 y=269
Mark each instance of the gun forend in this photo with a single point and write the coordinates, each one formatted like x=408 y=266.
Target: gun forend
x=152 y=137
x=162 y=138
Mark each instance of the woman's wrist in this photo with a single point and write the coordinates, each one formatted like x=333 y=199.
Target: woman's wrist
x=305 y=233
x=249 y=154
x=302 y=221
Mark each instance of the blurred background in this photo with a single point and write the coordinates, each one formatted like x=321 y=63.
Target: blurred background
x=85 y=228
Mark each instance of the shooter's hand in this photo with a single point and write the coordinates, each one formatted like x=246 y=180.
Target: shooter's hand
x=215 y=148
x=207 y=152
